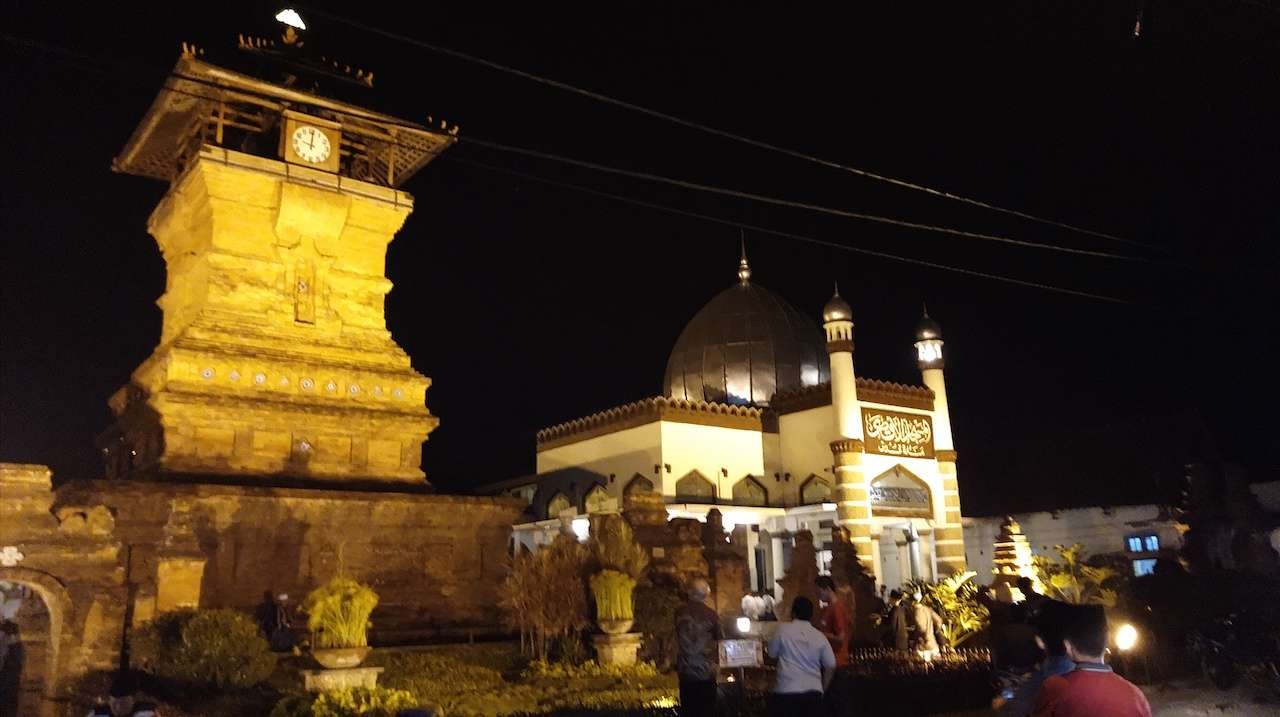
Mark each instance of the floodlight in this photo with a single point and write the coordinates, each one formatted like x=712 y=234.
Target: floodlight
x=1126 y=637
x=290 y=17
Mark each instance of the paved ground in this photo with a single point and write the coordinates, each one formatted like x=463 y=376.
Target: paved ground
x=1188 y=699
x=1201 y=699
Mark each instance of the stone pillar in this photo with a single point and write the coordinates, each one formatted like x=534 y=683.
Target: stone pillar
x=948 y=533
x=853 y=506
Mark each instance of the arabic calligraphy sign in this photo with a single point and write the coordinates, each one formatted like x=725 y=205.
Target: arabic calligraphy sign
x=892 y=433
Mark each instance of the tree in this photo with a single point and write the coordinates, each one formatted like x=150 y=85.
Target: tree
x=544 y=596
x=1072 y=580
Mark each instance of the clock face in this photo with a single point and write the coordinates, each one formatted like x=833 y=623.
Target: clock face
x=311 y=144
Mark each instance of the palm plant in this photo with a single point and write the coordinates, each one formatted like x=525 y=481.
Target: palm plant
x=338 y=613
x=1072 y=580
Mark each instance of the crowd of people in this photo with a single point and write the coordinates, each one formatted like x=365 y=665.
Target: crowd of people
x=1067 y=675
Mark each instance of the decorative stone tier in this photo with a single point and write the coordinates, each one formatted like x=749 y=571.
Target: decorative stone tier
x=677 y=410
x=274 y=356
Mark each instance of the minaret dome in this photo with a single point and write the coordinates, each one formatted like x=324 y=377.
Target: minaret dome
x=837 y=309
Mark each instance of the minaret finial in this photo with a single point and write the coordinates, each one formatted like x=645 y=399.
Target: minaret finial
x=744 y=271
x=925 y=306
x=837 y=288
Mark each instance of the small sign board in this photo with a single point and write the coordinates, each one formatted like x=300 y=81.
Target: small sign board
x=741 y=653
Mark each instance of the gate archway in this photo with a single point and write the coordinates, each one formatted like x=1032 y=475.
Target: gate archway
x=54 y=621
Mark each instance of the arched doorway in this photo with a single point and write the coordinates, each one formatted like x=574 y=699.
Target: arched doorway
x=35 y=610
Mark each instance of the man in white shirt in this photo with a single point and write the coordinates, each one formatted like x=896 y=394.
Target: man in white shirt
x=749 y=606
x=806 y=664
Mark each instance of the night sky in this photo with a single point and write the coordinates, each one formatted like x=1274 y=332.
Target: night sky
x=529 y=305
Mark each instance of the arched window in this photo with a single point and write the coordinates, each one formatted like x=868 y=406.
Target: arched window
x=595 y=499
x=899 y=492
x=750 y=491
x=638 y=484
x=695 y=485
x=814 y=490
x=557 y=505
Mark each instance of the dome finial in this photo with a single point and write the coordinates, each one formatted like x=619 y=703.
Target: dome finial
x=837 y=309
x=744 y=270
x=925 y=306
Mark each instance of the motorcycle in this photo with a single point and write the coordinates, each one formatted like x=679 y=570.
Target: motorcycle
x=1237 y=646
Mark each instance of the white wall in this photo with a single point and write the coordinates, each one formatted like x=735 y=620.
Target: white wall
x=1096 y=530
x=805 y=441
x=708 y=449
x=622 y=453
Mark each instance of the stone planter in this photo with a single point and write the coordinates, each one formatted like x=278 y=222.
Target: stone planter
x=616 y=649
x=615 y=627
x=337 y=658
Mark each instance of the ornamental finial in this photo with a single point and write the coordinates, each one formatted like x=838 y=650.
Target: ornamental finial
x=744 y=270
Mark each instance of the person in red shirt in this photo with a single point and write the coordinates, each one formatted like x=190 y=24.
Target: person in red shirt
x=833 y=619
x=1091 y=689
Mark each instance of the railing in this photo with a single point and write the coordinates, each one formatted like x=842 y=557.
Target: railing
x=874 y=661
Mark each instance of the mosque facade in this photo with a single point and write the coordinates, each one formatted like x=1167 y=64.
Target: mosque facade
x=764 y=418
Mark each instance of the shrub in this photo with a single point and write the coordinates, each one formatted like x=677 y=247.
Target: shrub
x=348 y=702
x=222 y=648
x=613 y=595
x=544 y=596
x=540 y=670
x=468 y=681
x=338 y=613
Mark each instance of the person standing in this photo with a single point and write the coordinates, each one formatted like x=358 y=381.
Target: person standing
x=928 y=627
x=833 y=619
x=806 y=664
x=1050 y=626
x=1091 y=689
x=769 y=606
x=697 y=630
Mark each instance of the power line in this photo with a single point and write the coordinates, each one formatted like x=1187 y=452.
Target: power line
x=690 y=124
x=70 y=55
x=86 y=61
x=789 y=203
x=783 y=234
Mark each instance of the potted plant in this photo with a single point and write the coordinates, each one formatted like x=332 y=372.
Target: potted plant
x=615 y=611
x=338 y=618
x=621 y=561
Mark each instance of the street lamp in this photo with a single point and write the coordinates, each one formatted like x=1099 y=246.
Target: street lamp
x=1126 y=637
x=744 y=625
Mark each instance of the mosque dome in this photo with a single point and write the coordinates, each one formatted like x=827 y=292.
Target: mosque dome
x=928 y=328
x=744 y=346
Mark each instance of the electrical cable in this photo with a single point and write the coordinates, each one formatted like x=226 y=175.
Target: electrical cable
x=790 y=203
x=80 y=61
x=787 y=235
x=690 y=124
x=71 y=55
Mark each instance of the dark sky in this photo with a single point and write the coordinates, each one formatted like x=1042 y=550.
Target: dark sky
x=529 y=305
